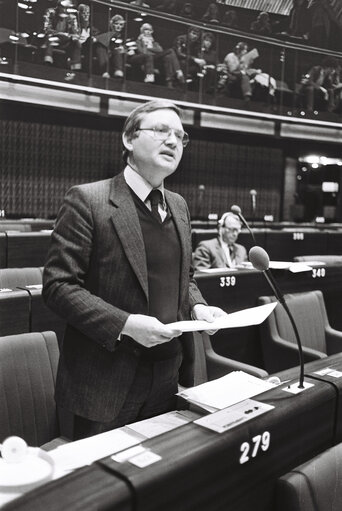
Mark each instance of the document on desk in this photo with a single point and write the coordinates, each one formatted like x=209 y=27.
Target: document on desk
x=245 y=317
x=226 y=391
x=160 y=424
x=68 y=457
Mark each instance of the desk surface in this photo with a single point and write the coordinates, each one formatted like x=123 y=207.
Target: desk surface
x=203 y=470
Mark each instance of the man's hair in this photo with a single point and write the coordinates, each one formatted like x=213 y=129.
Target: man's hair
x=223 y=219
x=134 y=119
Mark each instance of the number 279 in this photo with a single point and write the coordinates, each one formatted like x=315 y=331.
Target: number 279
x=250 y=450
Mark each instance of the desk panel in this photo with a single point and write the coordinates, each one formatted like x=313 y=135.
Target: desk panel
x=27 y=249
x=90 y=488
x=3 y=250
x=14 y=312
x=285 y=245
x=208 y=473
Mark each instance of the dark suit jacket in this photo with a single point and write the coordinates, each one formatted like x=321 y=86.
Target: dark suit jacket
x=209 y=254
x=95 y=276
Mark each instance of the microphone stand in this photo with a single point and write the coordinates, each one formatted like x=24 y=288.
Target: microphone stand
x=280 y=298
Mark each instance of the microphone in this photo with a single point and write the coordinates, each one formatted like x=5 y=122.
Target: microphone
x=253 y=194
x=237 y=211
x=260 y=261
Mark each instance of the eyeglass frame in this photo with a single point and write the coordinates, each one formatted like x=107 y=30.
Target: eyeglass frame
x=184 y=140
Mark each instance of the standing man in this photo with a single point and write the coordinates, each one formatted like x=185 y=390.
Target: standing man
x=118 y=271
x=222 y=251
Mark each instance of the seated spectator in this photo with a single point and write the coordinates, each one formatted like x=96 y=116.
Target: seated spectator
x=209 y=54
x=148 y=46
x=167 y=6
x=234 y=72
x=230 y=19
x=140 y=3
x=61 y=31
x=212 y=14
x=85 y=32
x=187 y=48
x=299 y=19
x=321 y=86
x=238 y=76
x=320 y=24
x=222 y=251
x=187 y=11
x=110 y=49
x=262 y=25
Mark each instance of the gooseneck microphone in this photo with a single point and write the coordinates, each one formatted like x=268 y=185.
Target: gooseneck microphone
x=260 y=261
x=237 y=211
x=253 y=194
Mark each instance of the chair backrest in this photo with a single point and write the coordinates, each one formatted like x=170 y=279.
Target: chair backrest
x=209 y=365
x=313 y=486
x=309 y=313
x=28 y=366
x=20 y=277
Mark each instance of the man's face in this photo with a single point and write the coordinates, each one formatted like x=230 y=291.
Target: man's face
x=193 y=35
x=156 y=159
x=148 y=31
x=118 y=25
x=85 y=13
x=230 y=231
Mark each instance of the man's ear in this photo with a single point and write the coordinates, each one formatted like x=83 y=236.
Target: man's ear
x=127 y=142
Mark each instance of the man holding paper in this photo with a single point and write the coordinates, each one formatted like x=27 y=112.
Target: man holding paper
x=119 y=270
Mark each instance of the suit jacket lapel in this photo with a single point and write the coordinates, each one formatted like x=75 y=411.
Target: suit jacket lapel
x=182 y=226
x=126 y=222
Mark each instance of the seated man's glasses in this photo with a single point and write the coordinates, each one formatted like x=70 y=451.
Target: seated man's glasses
x=162 y=132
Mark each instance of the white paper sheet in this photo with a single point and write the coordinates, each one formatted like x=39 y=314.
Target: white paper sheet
x=77 y=454
x=226 y=391
x=154 y=426
x=245 y=317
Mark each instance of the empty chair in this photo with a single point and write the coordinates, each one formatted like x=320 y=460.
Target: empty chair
x=20 y=277
x=313 y=486
x=209 y=365
x=278 y=340
x=28 y=365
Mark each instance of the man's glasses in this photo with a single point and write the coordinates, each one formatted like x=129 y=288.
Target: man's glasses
x=232 y=230
x=163 y=133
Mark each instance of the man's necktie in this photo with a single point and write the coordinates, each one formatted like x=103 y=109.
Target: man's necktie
x=155 y=197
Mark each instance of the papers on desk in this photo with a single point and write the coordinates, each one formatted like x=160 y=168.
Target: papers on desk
x=245 y=317
x=295 y=267
x=77 y=454
x=226 y=391
x=155 y=426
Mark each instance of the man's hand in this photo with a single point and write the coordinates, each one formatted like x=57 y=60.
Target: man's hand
x=207 y=313
x=148 y=331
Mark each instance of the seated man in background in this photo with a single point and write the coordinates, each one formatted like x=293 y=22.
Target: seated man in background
x=223 y=251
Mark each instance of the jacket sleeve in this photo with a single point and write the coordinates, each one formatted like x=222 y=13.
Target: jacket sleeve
x=65 y=274
x=202 y=256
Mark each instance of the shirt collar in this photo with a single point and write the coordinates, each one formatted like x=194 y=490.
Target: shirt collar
x=139 y=185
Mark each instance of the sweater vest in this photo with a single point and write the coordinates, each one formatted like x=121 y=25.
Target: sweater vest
x=163 y=258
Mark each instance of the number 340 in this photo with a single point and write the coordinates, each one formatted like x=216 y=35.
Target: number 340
x=250 y=450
